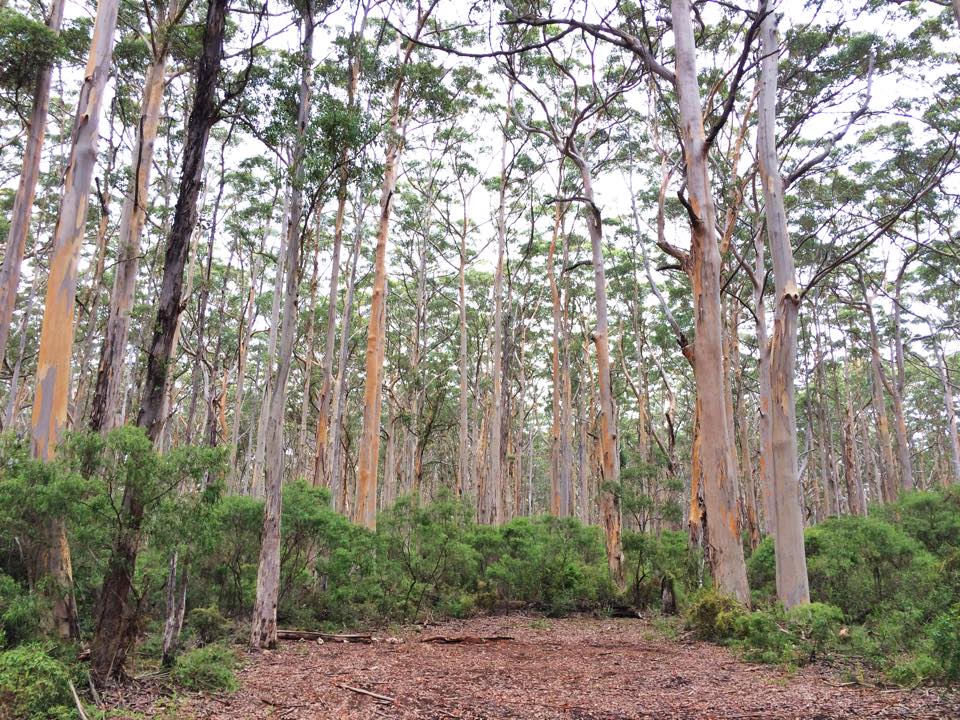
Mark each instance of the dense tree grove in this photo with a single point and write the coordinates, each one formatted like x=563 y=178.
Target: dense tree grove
x=290 y=289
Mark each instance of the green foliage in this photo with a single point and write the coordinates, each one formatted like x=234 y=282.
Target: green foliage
x=210 y=668
x=945 y=639
x=26 y=46
x=864 y=566
x=652 y=560
x=33 y=685
x=208 y=625
x=557 y=565
x=712 y=615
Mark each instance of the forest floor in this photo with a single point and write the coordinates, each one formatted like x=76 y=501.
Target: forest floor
x=572 y=668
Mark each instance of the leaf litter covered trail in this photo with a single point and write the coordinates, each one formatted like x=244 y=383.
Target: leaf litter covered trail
x=574 y=668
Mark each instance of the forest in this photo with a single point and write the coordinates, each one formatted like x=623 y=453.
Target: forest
x=479 y=359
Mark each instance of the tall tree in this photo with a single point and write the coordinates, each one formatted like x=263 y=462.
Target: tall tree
x=49 y=417
x=115 y=630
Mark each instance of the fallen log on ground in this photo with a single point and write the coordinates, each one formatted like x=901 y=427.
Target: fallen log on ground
x=466 y=639
x=326 y=637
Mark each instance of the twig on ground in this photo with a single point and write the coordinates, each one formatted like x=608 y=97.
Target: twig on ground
x=377 y=696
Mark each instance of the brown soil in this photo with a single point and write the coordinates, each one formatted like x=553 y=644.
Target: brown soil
x=573 y=668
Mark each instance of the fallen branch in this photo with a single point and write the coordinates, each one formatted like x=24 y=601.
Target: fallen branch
x=467 y=639
x=382 y=698
x=326 y=637
x=76 y=700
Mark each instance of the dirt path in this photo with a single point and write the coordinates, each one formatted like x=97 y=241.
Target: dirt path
x=574 y=668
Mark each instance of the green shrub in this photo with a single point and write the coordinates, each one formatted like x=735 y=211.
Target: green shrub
x=945 y=637
x=864 y=566
x=931 y=518
x=208 y=625
x=652 y=559
x=20 y=613
x=208 y=668
x=33 y=685
x=714 y=616
x=814 y=627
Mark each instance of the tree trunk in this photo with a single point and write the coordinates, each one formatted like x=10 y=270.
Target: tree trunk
x=791 y=562
x=263 y=633
x=106 y=413
x=559 y=469
x=718 y=457
x=337 y=483
x=463 y=460
x=951 y=417
x=887 y=463
x=260 y=446
x=609 y=450
x=365 y=504
x=115 y=620
x=56 y=333
x=22 y=208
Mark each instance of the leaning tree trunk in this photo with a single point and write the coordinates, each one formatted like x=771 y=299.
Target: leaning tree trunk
x=115 y=618
x=718 y=457
x=791 y=562
x=26 y=189
x=56 y=333
x=263 y=632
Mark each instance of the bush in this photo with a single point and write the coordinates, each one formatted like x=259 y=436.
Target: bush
x=652 y=560
x=864 y=566
x=945 y=637
x=33 y=685
x=814 y=627
x=931 y=518
x=714 y=616
x=208 y=625
x=208 y=668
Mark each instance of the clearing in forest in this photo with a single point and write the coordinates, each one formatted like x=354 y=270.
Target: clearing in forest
x=570 y=668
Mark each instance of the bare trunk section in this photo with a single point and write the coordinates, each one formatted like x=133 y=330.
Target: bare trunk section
x=106 y=412
x=559 y=469
x=49 y=418
x=337 y=483
x=463 y=460
x=263 y=632
x=791 y=562
x=492 y=508
x=718 y=457
x=365 y=504
x=22 y=208
x=887 y=463
x=115 y=619
x=951 y=416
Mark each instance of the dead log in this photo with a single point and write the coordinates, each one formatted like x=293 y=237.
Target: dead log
x=326 y=637
x=465 y=639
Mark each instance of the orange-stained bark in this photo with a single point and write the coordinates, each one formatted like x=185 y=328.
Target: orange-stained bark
x=717 y=456
x=26 y=190
x=365 y=502
x=56 y=333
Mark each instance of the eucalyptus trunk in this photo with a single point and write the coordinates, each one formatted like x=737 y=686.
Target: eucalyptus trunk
x=263 y=632
x=791 y=562
x=49 y=419
x=115 y=620
x=22 y=208
x=718 y=457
